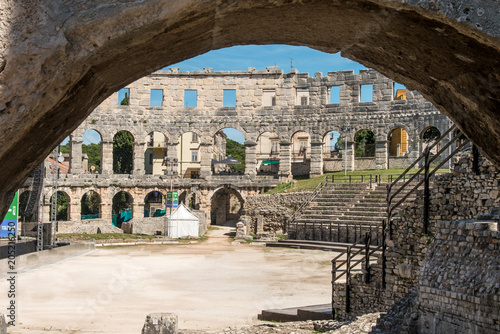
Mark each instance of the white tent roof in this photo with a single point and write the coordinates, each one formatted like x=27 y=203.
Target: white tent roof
x=182 y=213
x=183 y=223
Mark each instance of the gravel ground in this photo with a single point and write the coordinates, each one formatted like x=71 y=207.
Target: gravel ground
x=211 y=286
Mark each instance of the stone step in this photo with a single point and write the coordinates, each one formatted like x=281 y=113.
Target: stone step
x=364 y=209
x=304 y=313
x=340 y=221
x=363 y=218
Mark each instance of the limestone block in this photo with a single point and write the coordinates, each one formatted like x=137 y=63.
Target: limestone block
x=405 y=270
x=160 y=323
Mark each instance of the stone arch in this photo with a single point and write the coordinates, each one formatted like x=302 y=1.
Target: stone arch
x=63 y=206
x=398 y=141
x=122 y=202
x=268 y=153
x=123 y=155
x=191 y=199
x=229 y=125
x=71 y=79
x=428 y=135
x=330 y=147
x=301 y=144
x=154 y=199
x=93 y=165
x=189 y=154
x=226 y=205
x=364 y=143
x=155 y=151
x=90 y=205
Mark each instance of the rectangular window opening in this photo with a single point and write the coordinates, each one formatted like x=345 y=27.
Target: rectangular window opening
x=190 y=98
x=302 y=97
x=399 y=92
x=124 y=97
x=269 y=97
x=366 y=93
x=194 y=138
x=194 y=156
x=335 y=95
x=156 y=98
x=229 y=98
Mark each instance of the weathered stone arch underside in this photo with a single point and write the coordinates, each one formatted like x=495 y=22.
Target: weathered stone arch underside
x=60 y=59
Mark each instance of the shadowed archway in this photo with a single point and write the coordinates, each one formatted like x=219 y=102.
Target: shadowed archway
x=64 y=58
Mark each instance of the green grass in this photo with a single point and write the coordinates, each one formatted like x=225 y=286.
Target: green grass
x=282 y=187
x=103 y=236
x=307 y=184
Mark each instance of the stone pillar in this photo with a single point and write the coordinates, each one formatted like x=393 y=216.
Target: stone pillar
x=415 y=149
x=75 y=155
x=447 y=152
x=160 y=323
x=138 y=166
x=75 y=212
x=138 y=209
x=172 y=150
x=106 y=210
x=316 y=159
x=260 y=224
x=285 y=171
x=206 y=151
x=351 y=162
x=250 y=158
x=382 y=154
x=106 y=157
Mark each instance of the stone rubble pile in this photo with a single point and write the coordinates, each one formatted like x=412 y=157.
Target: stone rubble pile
x=361 y=325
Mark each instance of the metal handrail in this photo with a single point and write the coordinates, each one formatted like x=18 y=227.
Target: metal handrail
x=306 y=203
x=427 y=175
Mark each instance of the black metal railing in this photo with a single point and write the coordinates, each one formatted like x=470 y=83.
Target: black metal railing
x=362 y=250
x=334 y=231
x=416 y=181
x=408 y=185
x=306 y=203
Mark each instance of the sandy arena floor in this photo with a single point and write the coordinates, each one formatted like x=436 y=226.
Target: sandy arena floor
x=211 y=285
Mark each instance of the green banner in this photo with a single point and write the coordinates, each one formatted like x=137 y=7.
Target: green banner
x=172 y=199
x=12 y=214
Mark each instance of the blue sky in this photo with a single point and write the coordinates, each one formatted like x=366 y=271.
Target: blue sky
x=304 y=59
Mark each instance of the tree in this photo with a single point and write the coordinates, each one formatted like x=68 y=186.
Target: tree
x=431 y=134
x=364 y=144
x=121 y=202
x=65 y=148
x=90 y=203
x=93 y=152
x=123 y=148
x=62 y=206
x=237 y=151
x=125 y=101
x=339 y=144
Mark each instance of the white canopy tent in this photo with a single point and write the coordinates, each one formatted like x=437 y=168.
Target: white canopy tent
x=183 y=223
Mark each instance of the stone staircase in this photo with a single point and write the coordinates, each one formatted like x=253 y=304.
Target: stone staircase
x=343 y=212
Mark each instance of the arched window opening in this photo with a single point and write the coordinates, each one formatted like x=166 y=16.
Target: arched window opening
x=123 y=153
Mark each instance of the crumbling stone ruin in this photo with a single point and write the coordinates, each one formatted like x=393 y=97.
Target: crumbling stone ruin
x=286 y=120
x=452 y=270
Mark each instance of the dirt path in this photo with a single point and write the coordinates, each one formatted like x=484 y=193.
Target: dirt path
x=210 y=285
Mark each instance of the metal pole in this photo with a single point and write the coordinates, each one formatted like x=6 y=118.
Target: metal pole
x=345 y=163
x=426 y=191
